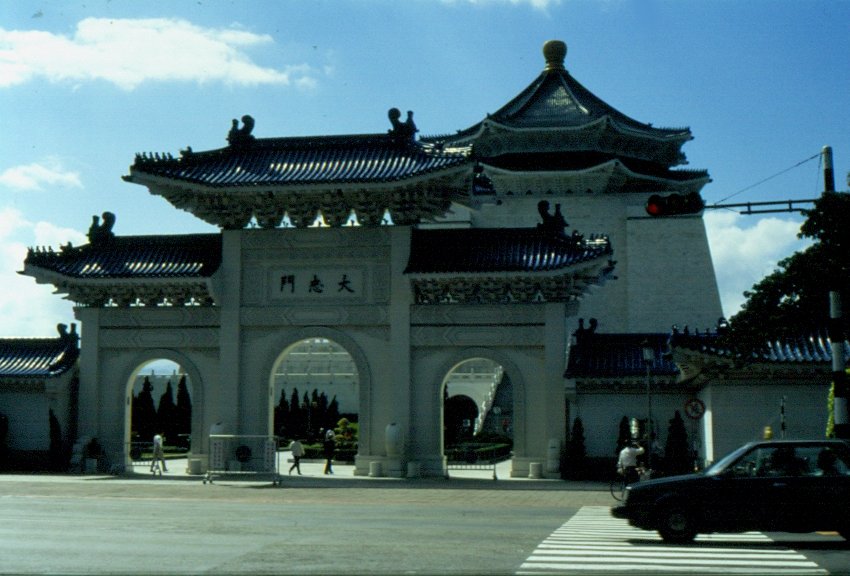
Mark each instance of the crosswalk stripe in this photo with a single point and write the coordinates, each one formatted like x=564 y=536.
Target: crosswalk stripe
x=594 y=541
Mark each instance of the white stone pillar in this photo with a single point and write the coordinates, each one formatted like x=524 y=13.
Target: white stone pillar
x=225 y=399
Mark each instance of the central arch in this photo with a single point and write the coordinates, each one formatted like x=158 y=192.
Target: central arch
x=284 y=345
x=316 y=382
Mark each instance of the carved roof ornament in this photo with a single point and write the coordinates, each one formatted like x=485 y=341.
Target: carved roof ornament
x=237 y=136
x=552 y=223
x=71 y=337
x=101 y=232
x=402 y=130
x=555 y=51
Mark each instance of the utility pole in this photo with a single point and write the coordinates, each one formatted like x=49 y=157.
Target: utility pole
x=841 y=418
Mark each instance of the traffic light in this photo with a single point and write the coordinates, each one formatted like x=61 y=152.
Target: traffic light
x=674 y=204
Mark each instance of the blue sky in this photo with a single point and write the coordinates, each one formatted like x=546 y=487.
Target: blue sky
x=85 y=85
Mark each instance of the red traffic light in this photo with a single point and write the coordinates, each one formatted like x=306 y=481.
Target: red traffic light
x=674 y=204
x=655 y=205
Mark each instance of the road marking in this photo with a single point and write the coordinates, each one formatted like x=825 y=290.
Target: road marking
x=595 y=541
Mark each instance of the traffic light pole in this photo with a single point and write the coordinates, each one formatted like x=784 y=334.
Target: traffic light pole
x=841 y=418
x=839 y=376
x=789 y=206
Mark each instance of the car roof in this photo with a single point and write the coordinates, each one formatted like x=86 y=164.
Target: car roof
x=802 y=442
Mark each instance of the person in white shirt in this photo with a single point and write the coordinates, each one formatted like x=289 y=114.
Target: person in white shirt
x=158 y=454
x=297 y=453
x=627 y=463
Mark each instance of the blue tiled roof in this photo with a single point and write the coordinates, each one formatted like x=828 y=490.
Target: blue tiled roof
x=303 y=160
x=811 y=349
x=555 y=98
x=186 y=256
x=596 y=355
x=36 y=357
x=471 y=250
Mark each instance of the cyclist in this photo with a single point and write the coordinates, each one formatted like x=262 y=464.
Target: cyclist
x=627 y=464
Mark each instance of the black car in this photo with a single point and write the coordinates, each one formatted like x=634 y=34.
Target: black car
x=774 y=485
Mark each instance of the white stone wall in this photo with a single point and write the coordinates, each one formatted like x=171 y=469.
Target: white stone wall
x=601 y=414
x=28 y=415
x=738 y=412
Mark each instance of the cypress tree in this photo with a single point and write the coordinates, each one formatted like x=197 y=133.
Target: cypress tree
x=166 y=413
x=144 y=413
x=576 y=456
x=281 y=415
x=676 y=453
x=57 y=450
x=183 y=410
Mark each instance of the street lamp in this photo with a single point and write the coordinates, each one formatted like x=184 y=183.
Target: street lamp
x=648 y=353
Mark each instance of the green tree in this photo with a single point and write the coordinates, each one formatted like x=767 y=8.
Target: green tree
x=793 y=301
x=281 y=413
x=57 y=448
x=297 y=418
x=165 y=414
x=183 y=409
x=144 y=412
x=576 y=453
x=677 y=457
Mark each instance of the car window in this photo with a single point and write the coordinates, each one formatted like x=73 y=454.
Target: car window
x=825 y=460
x=771 y=462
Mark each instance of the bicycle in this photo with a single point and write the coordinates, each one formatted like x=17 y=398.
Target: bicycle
x=618 y=487
x=619 y=483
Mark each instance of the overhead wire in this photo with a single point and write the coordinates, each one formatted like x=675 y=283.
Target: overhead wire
x=762 y=181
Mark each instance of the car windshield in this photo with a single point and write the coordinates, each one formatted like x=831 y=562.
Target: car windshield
x=721 y=465
x=792 y=459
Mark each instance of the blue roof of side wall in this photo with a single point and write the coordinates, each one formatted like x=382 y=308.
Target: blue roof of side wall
x=28 y=358
x=595 y=355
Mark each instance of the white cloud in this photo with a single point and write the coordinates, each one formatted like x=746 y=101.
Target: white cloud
x=29 y=309
x=128 y=52
x=745 y=251
x=33 y=176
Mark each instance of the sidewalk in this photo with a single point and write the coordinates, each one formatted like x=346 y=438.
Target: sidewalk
x=312 y=473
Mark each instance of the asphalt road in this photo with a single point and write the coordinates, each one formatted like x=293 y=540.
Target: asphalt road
x=312 y=524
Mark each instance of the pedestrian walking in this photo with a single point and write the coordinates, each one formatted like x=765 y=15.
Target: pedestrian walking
x=158 y=453
x=329 y=448
x=297 y=450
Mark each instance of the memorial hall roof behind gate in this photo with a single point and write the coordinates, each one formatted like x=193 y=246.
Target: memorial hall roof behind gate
x=556 y=113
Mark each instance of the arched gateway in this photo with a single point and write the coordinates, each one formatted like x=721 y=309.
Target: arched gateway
x=478 y=262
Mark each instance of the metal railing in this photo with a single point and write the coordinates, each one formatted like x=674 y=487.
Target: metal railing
x=476 y=457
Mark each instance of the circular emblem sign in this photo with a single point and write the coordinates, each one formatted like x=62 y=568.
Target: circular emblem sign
x=695 y=408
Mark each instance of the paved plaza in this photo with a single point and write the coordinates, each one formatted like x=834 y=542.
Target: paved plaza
x=345 y=524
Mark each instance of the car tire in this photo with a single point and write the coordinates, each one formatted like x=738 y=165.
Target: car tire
x=676 y=525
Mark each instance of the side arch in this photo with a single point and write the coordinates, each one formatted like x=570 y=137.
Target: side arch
x=198 y=438
x=514 y=373
x=282 y=344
